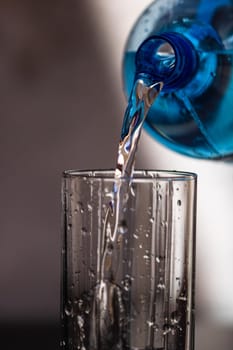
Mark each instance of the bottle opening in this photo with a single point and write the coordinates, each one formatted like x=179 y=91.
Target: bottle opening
x=168 y=57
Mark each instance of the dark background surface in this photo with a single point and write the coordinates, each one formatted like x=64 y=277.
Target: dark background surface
x=25 y=336
x=52 y=118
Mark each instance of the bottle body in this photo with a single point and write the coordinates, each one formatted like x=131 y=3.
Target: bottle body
x=195 y=118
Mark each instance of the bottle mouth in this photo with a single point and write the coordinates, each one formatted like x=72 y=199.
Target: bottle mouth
x=168 y=57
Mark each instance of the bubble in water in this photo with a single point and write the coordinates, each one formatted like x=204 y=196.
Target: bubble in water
x=157 y=259
x=179 y=202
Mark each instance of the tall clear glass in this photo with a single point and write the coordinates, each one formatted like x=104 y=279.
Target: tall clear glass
x=146 y=301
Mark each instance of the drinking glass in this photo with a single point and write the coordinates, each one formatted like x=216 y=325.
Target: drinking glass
x=145 y=297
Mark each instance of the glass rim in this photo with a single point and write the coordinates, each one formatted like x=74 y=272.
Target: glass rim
x=138 y=174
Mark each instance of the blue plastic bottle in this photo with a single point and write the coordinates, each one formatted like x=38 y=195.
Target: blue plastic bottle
x=189 y=46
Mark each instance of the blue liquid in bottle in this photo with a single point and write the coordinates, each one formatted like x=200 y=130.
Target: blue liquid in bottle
x=172 y=42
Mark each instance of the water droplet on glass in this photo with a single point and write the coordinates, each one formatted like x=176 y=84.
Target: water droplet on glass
x=161 y=286
x=89 y=207
x=80 y=207
x=122 y=228
x=152 y=220
x=149 y=210
x=69 y=310
x=126 y=283
x=91 y=273
x=150 y=323
x=166 y=329
x=62 y=343
x=157 y=259
x=80 y=321
x=175 y=317
x=146 y=257
x=84 y=231
x=80 y=303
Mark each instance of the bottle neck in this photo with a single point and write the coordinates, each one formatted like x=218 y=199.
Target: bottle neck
x=184 y=57
x=169 y=57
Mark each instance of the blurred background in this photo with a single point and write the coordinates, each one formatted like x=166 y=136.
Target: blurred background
x=62 y=103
